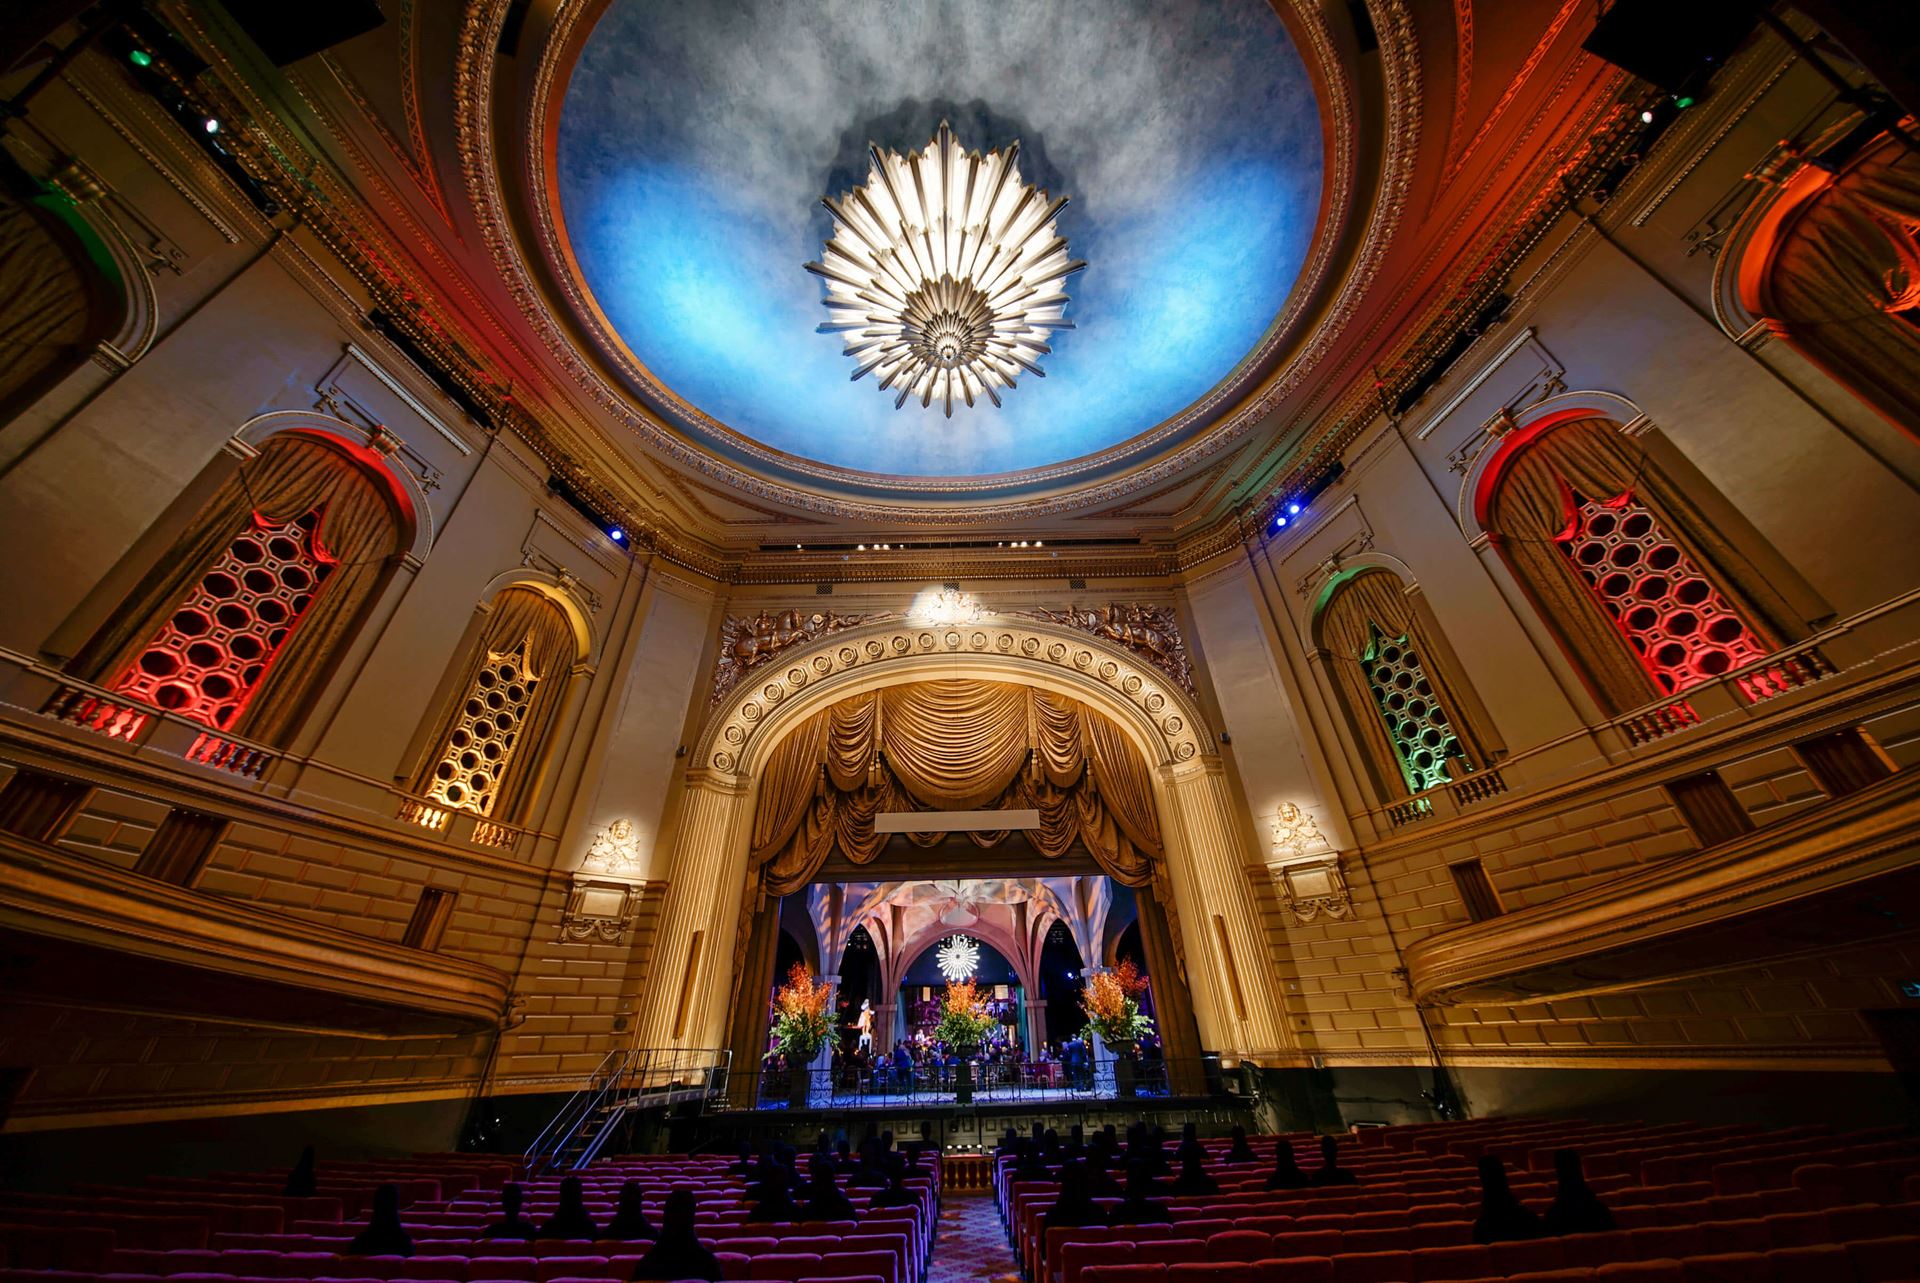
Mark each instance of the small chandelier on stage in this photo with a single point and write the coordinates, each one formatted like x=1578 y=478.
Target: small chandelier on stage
x=945 y=272
x=958 y=958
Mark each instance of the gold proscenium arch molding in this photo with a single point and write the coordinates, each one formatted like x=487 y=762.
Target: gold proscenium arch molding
x=1161 y=719
x=1230 y=974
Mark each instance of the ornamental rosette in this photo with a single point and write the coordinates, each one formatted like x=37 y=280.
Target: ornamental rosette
x=945 y=272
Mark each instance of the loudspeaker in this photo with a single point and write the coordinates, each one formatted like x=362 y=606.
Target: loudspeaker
x=287 y=32
x=1674 y=44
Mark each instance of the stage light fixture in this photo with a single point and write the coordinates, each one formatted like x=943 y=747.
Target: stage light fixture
x=617 y=534
x=211 y=125
x=140 y=58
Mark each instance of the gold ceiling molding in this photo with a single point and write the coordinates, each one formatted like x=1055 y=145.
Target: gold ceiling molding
x=730 y=742
x=479 y=167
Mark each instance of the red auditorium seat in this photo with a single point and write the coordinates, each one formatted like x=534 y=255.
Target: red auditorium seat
x=1884 y=1260
x=1470 y=1261
x=1169 y=1251
x=1814 y=1263
x=1373 y=1267
x=1238 y=1245
x=1657 y=1270
x=784 y=1267
x=1212 y=1272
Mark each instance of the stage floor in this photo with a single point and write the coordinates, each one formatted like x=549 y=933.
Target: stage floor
x=938 y=1096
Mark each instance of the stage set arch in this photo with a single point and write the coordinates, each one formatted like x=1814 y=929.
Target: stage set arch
x=803 y=766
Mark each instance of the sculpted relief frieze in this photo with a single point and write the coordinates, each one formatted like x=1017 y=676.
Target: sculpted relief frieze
x=748 y=641
x=1150 y=632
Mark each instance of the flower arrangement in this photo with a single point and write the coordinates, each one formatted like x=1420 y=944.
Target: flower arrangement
x=1111 y=1001
x=964 y=1022
x=801 y=1023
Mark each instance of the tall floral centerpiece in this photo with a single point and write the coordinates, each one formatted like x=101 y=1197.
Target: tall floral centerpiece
x=802 y=1024
x=964 y=1025
x=1111 y=1003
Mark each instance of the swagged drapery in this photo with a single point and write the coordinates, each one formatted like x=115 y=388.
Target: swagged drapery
x=53 y=303
x=1845 y=272
x=291 y=476
x=953 y=745
x=518 y=616
x=1532 y=504
x=1377 y=599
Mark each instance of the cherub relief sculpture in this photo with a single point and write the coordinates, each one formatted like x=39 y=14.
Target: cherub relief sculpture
x=1150 y=632
x=746 y=642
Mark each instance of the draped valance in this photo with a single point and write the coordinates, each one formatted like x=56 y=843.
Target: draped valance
x=954 y=745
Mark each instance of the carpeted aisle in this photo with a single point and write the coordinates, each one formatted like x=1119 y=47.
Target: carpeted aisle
x=970 y=1244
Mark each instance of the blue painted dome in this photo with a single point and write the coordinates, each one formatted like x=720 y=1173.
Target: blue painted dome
x=696 y=141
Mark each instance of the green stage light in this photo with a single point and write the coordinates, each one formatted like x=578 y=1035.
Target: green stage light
x=140 y=58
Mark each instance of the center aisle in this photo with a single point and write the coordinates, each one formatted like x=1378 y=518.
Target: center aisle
x=970 y=1244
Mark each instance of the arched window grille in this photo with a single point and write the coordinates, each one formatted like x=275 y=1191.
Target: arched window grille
x=492 y=735
x=236 y=626
x=1645 y=592
x=1415 y=722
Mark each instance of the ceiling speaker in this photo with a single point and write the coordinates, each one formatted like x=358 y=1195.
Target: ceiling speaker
x=1673 y=45
x=289 y=32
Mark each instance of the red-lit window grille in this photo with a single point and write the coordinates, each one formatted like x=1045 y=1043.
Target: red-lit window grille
x=483 y=739
x=1684 y=631
x=210 y=656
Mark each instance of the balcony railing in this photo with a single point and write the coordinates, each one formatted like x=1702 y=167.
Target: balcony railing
x=1742 y=691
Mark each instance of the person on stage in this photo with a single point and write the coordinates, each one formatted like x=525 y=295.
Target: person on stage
x=863 y=1025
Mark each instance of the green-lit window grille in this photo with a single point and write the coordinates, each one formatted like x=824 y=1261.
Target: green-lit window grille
x=1417 y=726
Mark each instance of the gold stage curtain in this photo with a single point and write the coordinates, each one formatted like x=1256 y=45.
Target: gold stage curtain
x=1377 y=598
x=953 y=745
x=55 y=304
x=291 y=476
x=1844 y=274
x=1531 y=506
x=518 y=615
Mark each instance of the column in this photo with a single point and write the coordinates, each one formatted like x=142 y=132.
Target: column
x=1036 y=1025
x=1237 y=1008
x=688 y=979
x=1179 y=1035
x=748 y=1025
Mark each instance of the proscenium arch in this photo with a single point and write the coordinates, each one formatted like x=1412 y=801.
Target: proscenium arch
x=1229 y=972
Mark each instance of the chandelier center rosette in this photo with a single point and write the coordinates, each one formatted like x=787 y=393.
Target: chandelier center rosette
x=945 y=272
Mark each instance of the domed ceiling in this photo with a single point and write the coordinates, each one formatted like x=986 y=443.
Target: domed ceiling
x=696 y=141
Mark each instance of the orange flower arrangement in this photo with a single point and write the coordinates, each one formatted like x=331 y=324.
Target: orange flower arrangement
x=1111 y=1001
x=801 y=1023
x=964 y=1022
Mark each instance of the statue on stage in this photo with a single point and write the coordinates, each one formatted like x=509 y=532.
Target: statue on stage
x=863 y=1025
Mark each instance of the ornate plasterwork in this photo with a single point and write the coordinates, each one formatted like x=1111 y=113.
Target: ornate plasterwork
x=746 y=642
x=730 y=734
x=1151 y=632
x=615 y=850
x=599 y=909
x=474 y=90
x=1314 y=888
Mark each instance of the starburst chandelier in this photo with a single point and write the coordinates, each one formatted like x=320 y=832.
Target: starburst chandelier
x=945 y=272
x=958 y=958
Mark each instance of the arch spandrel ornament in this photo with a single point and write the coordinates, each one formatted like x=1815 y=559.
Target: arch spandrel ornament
x=1164 y=721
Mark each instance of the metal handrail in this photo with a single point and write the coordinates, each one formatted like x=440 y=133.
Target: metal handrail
x=625 y=1079
x=578 y=1108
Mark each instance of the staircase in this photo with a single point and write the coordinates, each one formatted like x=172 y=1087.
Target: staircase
x=628 y=1082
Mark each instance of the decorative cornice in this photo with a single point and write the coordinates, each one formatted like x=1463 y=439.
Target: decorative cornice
x=749 y=641
x=1151 y=632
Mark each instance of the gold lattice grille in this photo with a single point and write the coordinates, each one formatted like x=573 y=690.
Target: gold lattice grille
x=484 y=737
x=1422 y=738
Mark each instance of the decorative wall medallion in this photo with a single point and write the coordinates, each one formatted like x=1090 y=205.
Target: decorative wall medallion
x=1151 y=632
x=1314 y=888
x=1295 y=834
x=600 y=910
x=750 y=641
